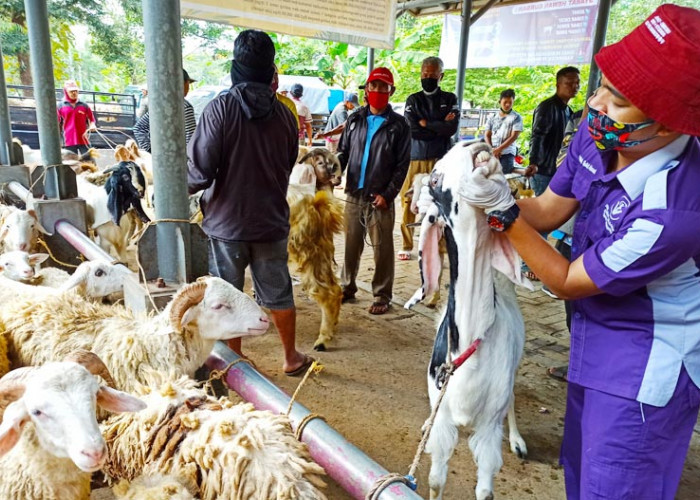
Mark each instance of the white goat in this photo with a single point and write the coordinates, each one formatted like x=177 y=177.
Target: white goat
x=178 y=339
x=19 y=229
x=224 y=451
x=49 y=438
x=481 y=305
x=101 y=213
x=420 y=180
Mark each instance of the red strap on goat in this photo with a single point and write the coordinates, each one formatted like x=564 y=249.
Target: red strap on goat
x=466 y=354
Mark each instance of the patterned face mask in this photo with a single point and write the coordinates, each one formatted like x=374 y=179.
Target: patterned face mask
x=609 y=134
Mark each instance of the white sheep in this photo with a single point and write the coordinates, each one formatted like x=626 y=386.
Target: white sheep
x=178 y=339
x=49 y=439
x=227 y=451
x=19 y=229
x=481 y=305
x=91 y=279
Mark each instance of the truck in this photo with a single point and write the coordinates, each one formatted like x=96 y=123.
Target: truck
x=115 y=115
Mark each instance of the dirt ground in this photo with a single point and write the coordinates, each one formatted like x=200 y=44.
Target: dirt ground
x=373 y=391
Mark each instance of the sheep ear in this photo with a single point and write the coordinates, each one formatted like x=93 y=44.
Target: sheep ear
x=188 y=317
x=37 y=258
x=12 y=423
x=506 y=260
x=118 y=401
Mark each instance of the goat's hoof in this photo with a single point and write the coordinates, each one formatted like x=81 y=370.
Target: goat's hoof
x=519 y=448
x=484 y=495
x=320 y=347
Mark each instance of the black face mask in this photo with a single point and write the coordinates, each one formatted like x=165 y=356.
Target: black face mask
x=429 y=84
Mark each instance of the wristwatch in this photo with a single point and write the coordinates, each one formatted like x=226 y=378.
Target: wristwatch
x=501 y=220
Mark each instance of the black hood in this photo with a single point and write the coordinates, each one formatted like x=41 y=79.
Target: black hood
x=257 y=99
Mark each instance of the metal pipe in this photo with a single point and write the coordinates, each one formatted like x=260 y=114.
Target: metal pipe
x=161 y=20
x=483 y=10
x=343 y=461
x=417 y=4
x=6 y=156
x=462 y=62
x=601 y=28
x=81 y=242
x=70 y=233
x=19 y=190
x=370 y=60
x=44 y=91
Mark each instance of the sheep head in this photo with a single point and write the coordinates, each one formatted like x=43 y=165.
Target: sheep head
x=326 y=167
x=60 y=399
x=219 y=309
x=19 y=266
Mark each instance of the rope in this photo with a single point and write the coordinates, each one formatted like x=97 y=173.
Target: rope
x=53 y=257
x=367 y=211
x=384 y=482
x=219 y=374
x=445 y=372
x=304 y=421
x=315 y=367
x=135 y=239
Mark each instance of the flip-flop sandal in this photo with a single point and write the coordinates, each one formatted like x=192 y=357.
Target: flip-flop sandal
x=558 y=372
x=308 y=361
x=404 y=255
x=379 y=308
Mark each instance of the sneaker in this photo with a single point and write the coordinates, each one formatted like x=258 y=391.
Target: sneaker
x=547 y=291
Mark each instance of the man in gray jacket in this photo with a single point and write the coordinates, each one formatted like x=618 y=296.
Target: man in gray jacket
x=242 y=154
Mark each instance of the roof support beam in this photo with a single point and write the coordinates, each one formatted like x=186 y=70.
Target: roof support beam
x=601 y=28
x=463 y=44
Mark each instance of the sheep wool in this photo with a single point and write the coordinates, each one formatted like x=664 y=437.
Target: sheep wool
x=4 y=360
x=314 y=220
x=157 y=487
x=229 y=452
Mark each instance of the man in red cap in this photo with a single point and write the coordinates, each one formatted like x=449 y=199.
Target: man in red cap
x=634 y=280
x=75 y=118
x=375 y=149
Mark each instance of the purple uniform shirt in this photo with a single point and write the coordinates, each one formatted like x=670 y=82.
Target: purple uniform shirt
x=639 y=233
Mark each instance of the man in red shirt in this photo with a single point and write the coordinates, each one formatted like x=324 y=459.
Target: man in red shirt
x=76 y=119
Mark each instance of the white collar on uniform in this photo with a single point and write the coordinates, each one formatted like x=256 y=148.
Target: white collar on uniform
x=634 y=177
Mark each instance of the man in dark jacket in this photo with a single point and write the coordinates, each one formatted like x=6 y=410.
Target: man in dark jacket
x=241 y=154
x=549 y=122
x=434 y=117
x=375 y=150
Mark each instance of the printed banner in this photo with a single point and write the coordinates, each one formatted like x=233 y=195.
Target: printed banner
x=359 y=23
x=555 y=32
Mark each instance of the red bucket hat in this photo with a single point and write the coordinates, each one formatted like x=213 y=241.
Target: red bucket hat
x=656 y=67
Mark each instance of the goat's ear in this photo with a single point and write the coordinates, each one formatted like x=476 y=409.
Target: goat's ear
x=37 y=258
x=12 y=423
x=38 y=224
x=505 y=259
x=118 y=401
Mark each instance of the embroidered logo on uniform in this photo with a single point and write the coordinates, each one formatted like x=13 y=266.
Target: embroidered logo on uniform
x=613 y=214
x=586 y=165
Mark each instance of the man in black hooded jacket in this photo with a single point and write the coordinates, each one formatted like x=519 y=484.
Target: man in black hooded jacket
x=241 y=155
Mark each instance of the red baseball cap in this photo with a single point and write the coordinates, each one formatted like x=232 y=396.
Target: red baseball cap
x=656 y=67
x=381 y=74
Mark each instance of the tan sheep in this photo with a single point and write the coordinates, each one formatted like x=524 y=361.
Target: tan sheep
x=314 y=220
x=227 y=451
x=178 y=339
